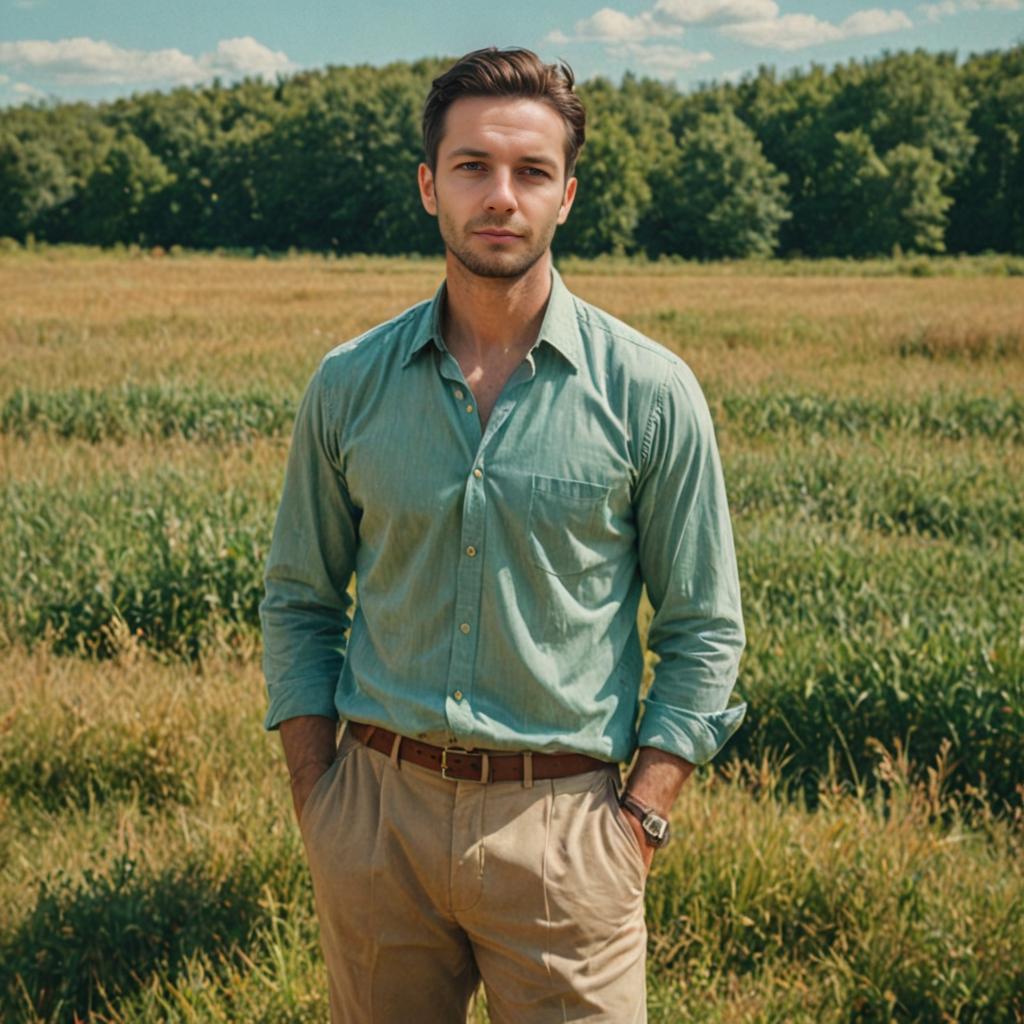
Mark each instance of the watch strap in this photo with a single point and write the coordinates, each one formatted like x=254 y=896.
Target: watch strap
x=655 y=827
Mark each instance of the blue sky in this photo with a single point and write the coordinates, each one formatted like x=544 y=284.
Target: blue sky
x=100 y=49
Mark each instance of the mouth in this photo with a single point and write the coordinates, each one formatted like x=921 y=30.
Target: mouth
x=497 y=235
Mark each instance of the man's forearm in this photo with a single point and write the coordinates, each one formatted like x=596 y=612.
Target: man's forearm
x=310 y=745
x=655 y=781
x=657 y=778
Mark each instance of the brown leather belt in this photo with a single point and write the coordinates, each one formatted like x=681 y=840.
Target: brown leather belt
x=475 y=766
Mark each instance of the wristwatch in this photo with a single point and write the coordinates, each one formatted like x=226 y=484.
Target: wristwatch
x=656 y=830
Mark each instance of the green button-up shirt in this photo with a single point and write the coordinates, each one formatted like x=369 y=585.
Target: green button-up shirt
x=498 y=570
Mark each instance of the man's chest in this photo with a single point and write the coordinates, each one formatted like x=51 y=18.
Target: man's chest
x=485 y=385
x=548 y=455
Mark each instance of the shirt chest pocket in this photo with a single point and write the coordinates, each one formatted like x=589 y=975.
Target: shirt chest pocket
x=568 y=525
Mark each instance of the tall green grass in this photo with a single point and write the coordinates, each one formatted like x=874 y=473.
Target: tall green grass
x=176 y=562
x=94 y=941
x=883 y=606
x=147 y=411
x=963 y=496
x=949 y=415
x=201 y=413
x=856 y=641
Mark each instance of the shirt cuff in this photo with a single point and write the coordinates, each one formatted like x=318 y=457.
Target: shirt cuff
x=294 y=702
x=695 y=736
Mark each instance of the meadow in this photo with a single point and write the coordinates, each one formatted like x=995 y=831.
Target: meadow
x=857 y=853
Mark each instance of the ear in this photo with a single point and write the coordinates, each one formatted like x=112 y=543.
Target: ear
x=570 y=195
x=425 y=177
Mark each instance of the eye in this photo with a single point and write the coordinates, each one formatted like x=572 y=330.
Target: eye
x=470 y=165
x=535 y=172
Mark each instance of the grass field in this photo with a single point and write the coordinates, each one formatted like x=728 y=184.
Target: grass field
x=856 y=856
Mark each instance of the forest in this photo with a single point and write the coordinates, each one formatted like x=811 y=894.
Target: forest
x=909 y=152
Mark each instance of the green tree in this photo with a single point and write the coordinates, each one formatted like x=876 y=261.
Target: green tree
x=340 y=170
x=719 y=196
x=114 y=205
x=612 y=191
x=915 y=204
x=32 y=180
x=46 y=153
x=989 y=195
x=915 y=99
x=878 y=202
x=795 y=121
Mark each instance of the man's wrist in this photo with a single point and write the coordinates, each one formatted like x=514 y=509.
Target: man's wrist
x=308 y=769
x=653 y=826
x=656 y=779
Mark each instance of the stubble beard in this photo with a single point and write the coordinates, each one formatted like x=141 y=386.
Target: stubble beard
x=496 y=265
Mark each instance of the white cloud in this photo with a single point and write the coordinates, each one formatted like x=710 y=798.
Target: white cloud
x=660 y=58
x=937 y=11
x=796 y=31
x=610 y=26
x=933 y=12
x=715 y=12
x=30 y=92
x=82 y=60
x=85 y=61
x=790 y=32
x=242 y=56
x=874 y=22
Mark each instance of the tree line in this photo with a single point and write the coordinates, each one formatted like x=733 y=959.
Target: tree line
x=910 y=152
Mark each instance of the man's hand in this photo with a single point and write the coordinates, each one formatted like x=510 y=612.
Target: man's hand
x=645 y=848
x=655 y=781
x=310 y=746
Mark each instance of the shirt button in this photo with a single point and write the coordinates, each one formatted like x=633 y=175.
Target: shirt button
x=460 y=394
x=464 y=627
x=478 y=473
x=457 y=695
x=471 y=551
x=469 y=408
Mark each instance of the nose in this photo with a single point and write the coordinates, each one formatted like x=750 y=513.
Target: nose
x=501 y=197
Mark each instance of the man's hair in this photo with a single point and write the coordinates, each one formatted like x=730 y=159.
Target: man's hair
x=513 y=72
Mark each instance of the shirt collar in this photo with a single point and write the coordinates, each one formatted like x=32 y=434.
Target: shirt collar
x=560 y=328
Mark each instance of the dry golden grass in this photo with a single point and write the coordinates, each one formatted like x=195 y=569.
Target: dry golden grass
x=205 y=319
x=257 y=465
x=202 y=725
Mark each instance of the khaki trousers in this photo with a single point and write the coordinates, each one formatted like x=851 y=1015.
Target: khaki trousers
x=425 y=886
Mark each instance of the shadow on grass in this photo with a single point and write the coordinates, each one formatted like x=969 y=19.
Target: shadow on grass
x=89 y=942
x=98 y=763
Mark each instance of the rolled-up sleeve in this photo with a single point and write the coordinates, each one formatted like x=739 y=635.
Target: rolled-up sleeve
x=305 y=610
x=688 y=563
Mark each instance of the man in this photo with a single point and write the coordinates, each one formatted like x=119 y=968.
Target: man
x=502 y=469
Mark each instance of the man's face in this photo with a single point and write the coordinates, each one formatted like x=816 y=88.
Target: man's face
x=499 y=188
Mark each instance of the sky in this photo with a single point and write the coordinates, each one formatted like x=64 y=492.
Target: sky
x=101 y=49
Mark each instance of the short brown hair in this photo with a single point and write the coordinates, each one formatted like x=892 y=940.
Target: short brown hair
x=512 y=72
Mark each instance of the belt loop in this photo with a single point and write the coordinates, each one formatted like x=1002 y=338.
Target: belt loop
x=527 y=769
x=485 y=768
x=395 y=747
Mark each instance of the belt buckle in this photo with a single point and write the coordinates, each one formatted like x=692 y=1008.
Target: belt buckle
x=445 y=751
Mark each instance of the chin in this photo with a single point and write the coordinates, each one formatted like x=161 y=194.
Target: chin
x=490 y=265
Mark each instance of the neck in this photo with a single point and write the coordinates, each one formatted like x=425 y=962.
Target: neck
x=490 y=315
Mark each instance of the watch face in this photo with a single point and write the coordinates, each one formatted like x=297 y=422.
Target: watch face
x=657 y=828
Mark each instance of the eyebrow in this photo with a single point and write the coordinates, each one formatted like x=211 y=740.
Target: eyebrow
x=484 y=154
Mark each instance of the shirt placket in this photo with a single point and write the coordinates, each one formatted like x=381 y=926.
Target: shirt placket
x=469 y=578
